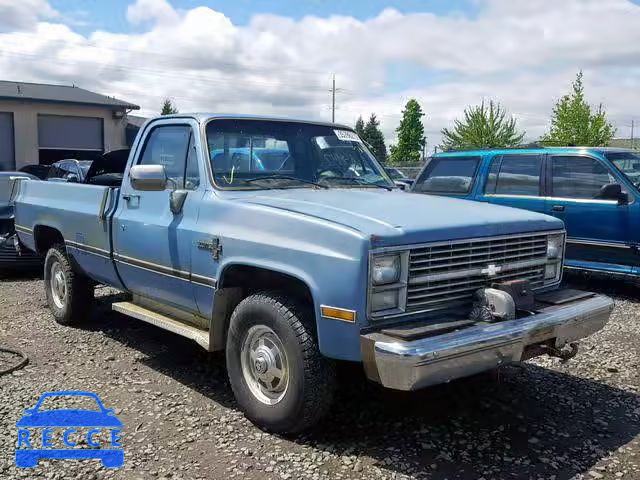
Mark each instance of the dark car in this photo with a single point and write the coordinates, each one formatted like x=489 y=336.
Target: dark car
x=67 y=418
x=69 y=170
x=10 y=258
x=399 y=178
x=594 y=191
x=40 y=171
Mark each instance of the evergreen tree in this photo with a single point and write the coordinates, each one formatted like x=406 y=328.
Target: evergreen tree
x=410 y=135
x=574 y=123
x=360 y=127
x=374 y=137
x=168 y=108
x=483 y=127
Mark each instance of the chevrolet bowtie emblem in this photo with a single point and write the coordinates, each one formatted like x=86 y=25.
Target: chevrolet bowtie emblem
x=491 y=270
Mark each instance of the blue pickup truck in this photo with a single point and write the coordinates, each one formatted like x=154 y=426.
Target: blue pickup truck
x=594 y=191
x=297 y=264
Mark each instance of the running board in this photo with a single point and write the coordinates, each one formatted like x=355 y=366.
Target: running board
x=201 y=337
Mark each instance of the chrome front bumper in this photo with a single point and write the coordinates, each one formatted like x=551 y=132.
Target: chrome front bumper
x=414 y=364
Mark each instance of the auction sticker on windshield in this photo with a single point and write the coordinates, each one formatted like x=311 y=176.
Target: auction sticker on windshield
x=69 y=433
x=347 y=136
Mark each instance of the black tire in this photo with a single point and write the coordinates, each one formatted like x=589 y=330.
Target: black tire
x=75 y=305
x=311 y=377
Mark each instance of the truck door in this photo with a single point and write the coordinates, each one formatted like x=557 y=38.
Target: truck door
x=152 y=245
x=599 y=230
x=515 y=180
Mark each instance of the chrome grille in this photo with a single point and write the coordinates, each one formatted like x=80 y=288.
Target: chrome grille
x=443 y=273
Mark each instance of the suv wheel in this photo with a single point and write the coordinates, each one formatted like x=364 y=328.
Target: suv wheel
x=278 y=376
x=69 y=293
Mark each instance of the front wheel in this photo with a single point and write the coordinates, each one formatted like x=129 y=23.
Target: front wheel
x=69 y=293
x=278 y=376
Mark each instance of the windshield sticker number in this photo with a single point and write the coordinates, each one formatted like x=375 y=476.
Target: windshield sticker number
x=347 y=136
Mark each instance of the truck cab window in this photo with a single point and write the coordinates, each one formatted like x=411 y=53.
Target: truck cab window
x=578 y=177
x=170 y=146
x=514 y=175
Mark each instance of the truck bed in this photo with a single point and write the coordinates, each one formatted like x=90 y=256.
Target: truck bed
x=81 y=213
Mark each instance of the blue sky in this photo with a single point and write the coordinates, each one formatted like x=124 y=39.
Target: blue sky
x=111 y=15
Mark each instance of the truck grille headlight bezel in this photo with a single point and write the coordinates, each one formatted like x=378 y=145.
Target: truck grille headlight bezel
x=390 y=284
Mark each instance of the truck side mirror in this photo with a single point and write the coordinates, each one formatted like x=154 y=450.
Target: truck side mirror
x=148 y=178
x=613 y=191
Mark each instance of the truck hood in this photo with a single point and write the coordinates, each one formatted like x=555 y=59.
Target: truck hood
x=396 y=218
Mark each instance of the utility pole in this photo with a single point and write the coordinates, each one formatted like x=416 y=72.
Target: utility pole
x=333 y=100
x=632 y=126
x=424 y=148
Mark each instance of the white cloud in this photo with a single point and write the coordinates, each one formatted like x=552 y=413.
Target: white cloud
x=519 y=52
x=159 y=11
x=23 y=14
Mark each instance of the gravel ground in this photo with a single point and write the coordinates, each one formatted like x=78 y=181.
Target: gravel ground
x=543 y=420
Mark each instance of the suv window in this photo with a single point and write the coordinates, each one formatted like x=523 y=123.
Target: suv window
x=170 y=146
x=578 y=177
x=514 y=175
x=448 y=175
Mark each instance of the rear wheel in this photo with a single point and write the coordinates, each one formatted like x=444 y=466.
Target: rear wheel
x=278 y=376
x=69 y=293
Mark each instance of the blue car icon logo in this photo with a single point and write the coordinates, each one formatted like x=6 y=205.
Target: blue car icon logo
x=32 y=448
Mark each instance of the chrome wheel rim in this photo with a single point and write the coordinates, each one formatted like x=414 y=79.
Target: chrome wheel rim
x=264 y=365
x=58 y=284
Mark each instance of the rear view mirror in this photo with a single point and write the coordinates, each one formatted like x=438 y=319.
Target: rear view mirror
x=613 y=191
x=148 y=178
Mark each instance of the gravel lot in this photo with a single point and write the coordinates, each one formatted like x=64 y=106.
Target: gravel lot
x=544 y=420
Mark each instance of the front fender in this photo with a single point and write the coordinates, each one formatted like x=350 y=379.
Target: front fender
x=337 y=288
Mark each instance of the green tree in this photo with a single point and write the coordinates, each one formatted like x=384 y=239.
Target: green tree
x=374 y=137
x=168 y=107
x=410 y=135
x=360 y=127
x=483 y=127
x=574 y=123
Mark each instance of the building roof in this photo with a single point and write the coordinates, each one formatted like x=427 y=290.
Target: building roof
x=40 y=92
x=625 y=143
x=136 y=120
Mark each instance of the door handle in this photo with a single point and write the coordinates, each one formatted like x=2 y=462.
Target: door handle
x=128 y=197
x=558 y=208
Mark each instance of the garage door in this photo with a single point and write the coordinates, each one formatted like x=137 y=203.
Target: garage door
x=69 y=133
x=7 y=154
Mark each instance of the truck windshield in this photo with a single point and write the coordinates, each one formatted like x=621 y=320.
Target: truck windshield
x=628 y=163
x=265 y=154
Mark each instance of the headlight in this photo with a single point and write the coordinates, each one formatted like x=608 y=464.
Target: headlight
x=385 y=300
x=551 y=271
x=555 y=243
x=385 y=269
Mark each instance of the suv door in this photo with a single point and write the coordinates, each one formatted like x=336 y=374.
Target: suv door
x=152 y=245
x=598 y=230
x=516 y=180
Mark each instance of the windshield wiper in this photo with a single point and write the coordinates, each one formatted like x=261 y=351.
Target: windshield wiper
x=359 y=181
x=285 y=177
